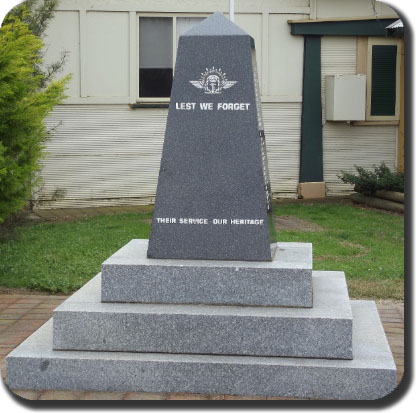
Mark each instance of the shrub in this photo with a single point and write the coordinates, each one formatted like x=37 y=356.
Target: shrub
x=24 y=103
x=37 y=15
x=367 y=182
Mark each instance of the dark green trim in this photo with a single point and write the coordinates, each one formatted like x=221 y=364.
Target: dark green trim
x=311 y=157
x=399 y=32
x=143 y=105
x=343 y=28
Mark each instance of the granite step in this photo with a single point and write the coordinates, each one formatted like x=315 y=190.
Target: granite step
x=370 y=375
x=129 y=276
x=84 y=323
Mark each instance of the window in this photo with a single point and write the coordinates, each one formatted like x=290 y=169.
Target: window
x=155 y=56
x=383 y=79
x=158 y=41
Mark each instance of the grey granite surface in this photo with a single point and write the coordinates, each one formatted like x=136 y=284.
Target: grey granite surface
x=370 y=375
x=217 y=25
x=129 y=276
x=212 y=162
x=324 y=331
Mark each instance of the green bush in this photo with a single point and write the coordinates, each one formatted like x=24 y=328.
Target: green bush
x=24 y=103
x=367 y=182
x=37 y=15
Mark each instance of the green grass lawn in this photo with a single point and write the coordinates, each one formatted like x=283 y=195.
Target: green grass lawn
x=61 y=256
x=367 y=245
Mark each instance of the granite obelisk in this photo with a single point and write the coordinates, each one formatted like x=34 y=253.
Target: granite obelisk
x=213 y=194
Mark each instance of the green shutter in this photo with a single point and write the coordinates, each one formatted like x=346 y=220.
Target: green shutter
x=311 y=150
x=383 y=81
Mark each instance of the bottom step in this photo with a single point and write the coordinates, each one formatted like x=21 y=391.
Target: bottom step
x=370 y=375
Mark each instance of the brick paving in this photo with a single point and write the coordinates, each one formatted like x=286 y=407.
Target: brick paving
x=21 y=315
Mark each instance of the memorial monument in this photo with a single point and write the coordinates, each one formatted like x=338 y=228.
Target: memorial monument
x=213 y=194
x=211 y=303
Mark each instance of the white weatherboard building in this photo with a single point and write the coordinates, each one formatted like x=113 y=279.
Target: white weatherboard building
x=107 y=137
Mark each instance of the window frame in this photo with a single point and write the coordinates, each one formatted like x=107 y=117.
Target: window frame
x=382 y=41
x=174 y=16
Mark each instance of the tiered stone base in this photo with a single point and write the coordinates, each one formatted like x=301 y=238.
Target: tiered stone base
x=129 y=276
x=335 y=350
x=324 y=331
x=370 y=375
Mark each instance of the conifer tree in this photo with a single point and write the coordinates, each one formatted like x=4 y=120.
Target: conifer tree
x=27 y=95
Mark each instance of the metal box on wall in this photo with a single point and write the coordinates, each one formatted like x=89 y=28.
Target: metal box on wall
x=345 y=97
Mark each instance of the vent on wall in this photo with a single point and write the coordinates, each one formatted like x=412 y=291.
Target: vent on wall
x=345 y=97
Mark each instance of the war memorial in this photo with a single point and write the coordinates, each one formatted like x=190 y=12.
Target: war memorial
x=211 y=303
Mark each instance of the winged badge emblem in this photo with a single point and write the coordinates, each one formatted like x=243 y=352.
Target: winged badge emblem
x=213 y=81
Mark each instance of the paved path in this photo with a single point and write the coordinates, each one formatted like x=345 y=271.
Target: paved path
x=21 y=315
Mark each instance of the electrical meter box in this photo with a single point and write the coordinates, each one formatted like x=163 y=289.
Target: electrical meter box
x=345 y=97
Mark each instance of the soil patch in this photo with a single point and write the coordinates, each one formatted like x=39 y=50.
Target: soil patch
x=291 y=223
x=146 y=220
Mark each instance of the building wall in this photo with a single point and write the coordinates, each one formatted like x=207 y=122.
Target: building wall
x=345 y=144
x=110 y=154
x=102 y=40
x=102 y=155
x=324 y=9
x=103 y=152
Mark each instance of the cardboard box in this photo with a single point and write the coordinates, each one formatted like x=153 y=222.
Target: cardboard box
x=311 y=190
